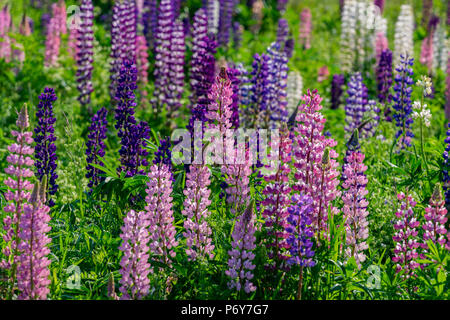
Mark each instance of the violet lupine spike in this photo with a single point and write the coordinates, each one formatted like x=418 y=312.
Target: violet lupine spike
x=305 y=28
x=33 y=274
x=225 y=22
x=164 y=155
x=355 y=206
x=337 y=90
x=241 y=255
x=276 y=200
x=213 y=11
x=96 y=147
x=150 y=21
x=405 y=237
x=447 y=90
x=258 y=91
x=134 y=264
x=402 y=101
x=132 y=134
x=195 y=209
x=85 y=52
x=159 y=207
x=384 y=82
x=281 y=5
x=315 y=165
x=176 y=68
x=435 y=220
x=130 y=30
x=282 y=31
x=45 y=149
x=289 y=46
x=380 y=4
x=238 y=30
x=18 y=190
x=53 y=40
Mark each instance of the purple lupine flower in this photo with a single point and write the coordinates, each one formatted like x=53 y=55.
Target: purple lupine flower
x=85 y=52
x=289 y=46
x=305 y=28
x=150 y=21
x=225 y=22
x=282 y=31
x=281 y=5
x=337 y=90
x=135 y=267
x=380 y=4
x=402 y=101
x=132 y=135
x=96 y=147
x=446 y=169
x=33 y=274
x=384 y=81
x=257 y=108
x=163 y=155
x=233 y=75
x=45 y=149
x=164 y=33
x=238 y=29
x=176 y=67
x=202 y=60
x=241 y=256
x=213 y=12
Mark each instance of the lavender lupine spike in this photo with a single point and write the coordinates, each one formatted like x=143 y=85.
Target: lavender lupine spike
x=159 y=207
x=435 y=219
x=241 y=256
x=337 y=90
x=384 y=82
x=150 y=21
x=163 y=36
x=176 y=71
x=135 y=267
x=356 y=103
x=53 y=40
x=45 y=149
x=33 y=274
x=402 y=101
x=238 y=30
x=225 y=22
x=85 y=52
x=96 y=147
x=258 y=91
x=447 y=90
x=446 y=169
x=281 y=5
x=213 y=10
x=282 y=31
x=132 y=134
x=18 y=191
x=195 y=208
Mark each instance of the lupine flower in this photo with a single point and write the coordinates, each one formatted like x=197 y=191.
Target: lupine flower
x=176 y=73
x=289 y=46
x=142 y=62
x=300 y=235
x=381 y=44
x=25 y=27
x=276 y=198
x=337 y=90
x=159 y=207
x=427 y=7
x=225 y=22
x=233 y=74
x=150 y=20
x=305 y=28
x=402 y=101
x=163 y=155
x=435 y=217
x=96 y=147
x=440 y=48
x=294 y=90
x=405 y=237
x=257 y=15
x=163 y=40
x=61 y=15
x=33 y=274
x=403 y=40
x=427 y=50
x=132 y=134
x=135 y=268
x=421 y=112
x=315 y=173
x=85 y=52
x=356 y=104
x=282 y=31
x=355 y=206
x=5 y=24
x=384 y=81
x=348 y=27
x=45 y=149
x=195 y=209
x=238 y=30
x=18 y=191
x=380 y=4
x=53 y=40
x=281 y=5
x=241 y=256
x=74 y=33
x=213 y=11
x=445 y=171
x=447 y=90
x=323 y=74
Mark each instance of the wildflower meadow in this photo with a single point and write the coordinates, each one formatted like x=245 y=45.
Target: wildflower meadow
x=224 y=150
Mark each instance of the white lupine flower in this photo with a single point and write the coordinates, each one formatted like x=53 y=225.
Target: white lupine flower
x=426 y=84
x=348 y=45
x=421 y=112
x=214 y=12
x=294 y=90
x=404 y=28
x=440 y=48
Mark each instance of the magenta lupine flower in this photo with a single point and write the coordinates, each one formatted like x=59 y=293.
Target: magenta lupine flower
x=142 y=64
x=355 y=206
x=159 y=207
x=18 y=188
x=426 y=52
x=135 y=267
x=241 y=255
x=198 y=232
x=316 y=170
x=380 y=4
x=85 y=52
x=436 y=217
x=33 y=275
x=305 y=28
x=5 y=26
x=176 y=65
x=61 y=16
x=276 y=198
x=323 y=74
x=405 y=237
x=53 y=40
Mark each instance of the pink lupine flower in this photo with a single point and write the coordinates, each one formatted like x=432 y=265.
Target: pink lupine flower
x=405 y=237
x=355 y=206
x=159 y=207
x=33 y=274
x=435 y=217
x=18 y=189
x=25 y=27
x=74 y=33
x=276 y=198
x=305 y=28
x=316 y=170
x=142 y=64
x=5 y=26
x=381 y=44
x=324 y=73
x=61 y=16
x=198 y=232
x=53 y=40
x=241 y=255
x=135 y=267
x=426 y=53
